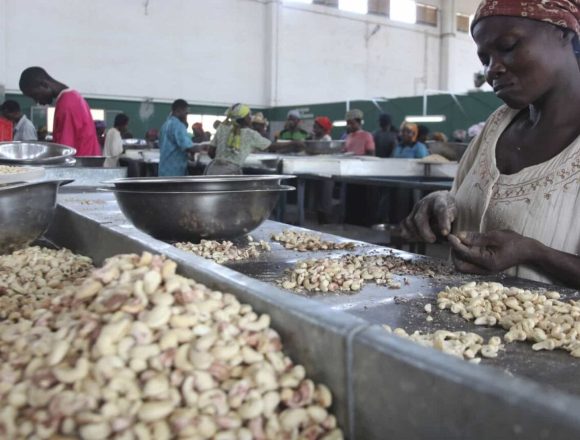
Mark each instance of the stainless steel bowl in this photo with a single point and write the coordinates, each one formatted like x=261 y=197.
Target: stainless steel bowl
x=192 y=216
x=34 y=153
x=26 y=211
x=198 y=183
x=324 y=147
x=90 y=161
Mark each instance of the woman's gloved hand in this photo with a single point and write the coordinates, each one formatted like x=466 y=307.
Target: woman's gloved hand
x=433 y=215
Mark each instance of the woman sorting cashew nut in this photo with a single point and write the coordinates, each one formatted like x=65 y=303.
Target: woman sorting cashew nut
x=515 y=202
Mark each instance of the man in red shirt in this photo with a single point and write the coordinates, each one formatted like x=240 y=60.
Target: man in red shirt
x=73 y=123
x=358 y=141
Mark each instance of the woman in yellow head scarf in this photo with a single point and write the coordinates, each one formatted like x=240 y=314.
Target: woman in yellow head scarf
x=409 y=147
x=234 y=141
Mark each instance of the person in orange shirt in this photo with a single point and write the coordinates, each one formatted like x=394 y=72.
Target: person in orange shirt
x=358 y=141
x=73 y=123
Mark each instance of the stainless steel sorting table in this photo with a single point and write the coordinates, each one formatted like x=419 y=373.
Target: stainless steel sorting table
x=384 y=386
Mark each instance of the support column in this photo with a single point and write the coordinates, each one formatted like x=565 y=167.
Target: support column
x=448 y=30
x=3 y=54
x=271 y=38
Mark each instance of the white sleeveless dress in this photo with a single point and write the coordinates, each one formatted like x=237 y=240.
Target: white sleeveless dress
x=540 y=202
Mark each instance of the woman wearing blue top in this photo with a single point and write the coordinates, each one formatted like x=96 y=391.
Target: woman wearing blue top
x=410 y=148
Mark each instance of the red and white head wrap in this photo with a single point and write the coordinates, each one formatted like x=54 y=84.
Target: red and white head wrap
x=562 y=13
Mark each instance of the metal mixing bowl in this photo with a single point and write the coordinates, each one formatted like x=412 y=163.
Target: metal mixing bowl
x=26 y=210
x=198 y=183
x=34 y=153
x=192 y=216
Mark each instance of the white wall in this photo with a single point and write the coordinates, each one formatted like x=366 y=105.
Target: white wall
x=204 y=51
x=220 y=51
x=333 y=57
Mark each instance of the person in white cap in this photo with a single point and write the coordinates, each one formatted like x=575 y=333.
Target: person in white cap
x=292 y=130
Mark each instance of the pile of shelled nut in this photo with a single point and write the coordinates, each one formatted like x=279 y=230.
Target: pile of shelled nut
x=539 y=317
x=138 y=351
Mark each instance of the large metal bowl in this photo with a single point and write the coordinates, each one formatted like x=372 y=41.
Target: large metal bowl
x=34 y=153
x=324 y=147
x=26 y=211
x=192 y=216
x=198 y=183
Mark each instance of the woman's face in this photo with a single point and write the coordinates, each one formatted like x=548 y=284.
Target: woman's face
x=523 y=59
x=407 y=135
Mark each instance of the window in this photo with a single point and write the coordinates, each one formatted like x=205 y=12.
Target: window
x=332 y=3
x=206 y=120
x=379 y=7
x=356 y=6
x=404 y=11
x=463 y=22
x=97 y=114
x=427 y=14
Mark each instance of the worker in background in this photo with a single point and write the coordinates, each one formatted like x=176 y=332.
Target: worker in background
x=410 y=147
x=234 y=141
x=42 y=133
x=114 y=140
x=321 y=129
x=439 y=137
x=101 y=129
x=23 y=129
x=422 y=134
x=385 y=139
x=199 y=135
x=358 y=141
x=73 y=124
x=6 y=130
x=260 y=124
x=324 y=188
x=152 y=138
x=293 y=135
x=174 y=141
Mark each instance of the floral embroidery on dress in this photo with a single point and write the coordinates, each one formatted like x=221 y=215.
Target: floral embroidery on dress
x=567 y=176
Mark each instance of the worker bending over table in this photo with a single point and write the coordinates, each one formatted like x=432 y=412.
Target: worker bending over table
x=515 y=203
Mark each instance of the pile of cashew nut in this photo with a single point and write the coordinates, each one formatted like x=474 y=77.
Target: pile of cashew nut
x=465 y=345
x=346 y=274
x=7 y=169
x=303 y=241
x=34 y=273
x=139 y=352
x=539 y=317
x=224 y=251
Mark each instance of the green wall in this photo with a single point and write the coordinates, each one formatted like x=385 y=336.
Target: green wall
x=477 y=106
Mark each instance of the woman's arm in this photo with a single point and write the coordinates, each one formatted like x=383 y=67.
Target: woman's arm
x=496 y=251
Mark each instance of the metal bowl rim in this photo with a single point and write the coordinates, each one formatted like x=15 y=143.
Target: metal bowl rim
x=203 y=179
x=66 y=150
x=19 y=185
x=281 y=188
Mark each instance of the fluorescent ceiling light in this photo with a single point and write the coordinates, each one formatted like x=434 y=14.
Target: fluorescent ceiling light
x=427 y=118
x=357 y=6
x=339 y=123
x=404 y=11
